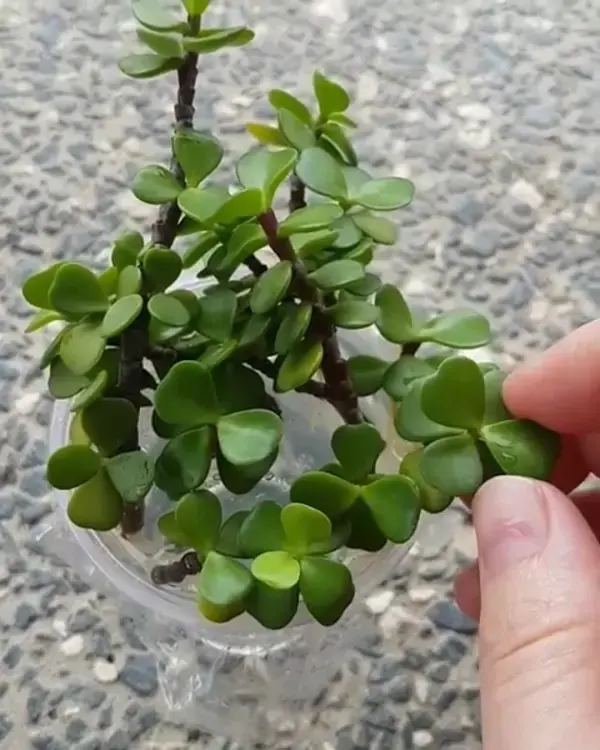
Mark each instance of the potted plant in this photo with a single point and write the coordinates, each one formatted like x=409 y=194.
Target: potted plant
x=209 y=364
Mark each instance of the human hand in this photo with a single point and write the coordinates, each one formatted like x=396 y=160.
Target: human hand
x=536 y=586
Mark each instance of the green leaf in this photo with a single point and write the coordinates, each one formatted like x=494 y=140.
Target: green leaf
x=248 y=437
x=265 y=171
x=361 y=252
x=238 y=388
x=330 y=95
x=223 y=587
x=195 y=7
x=348 y=233
x=153 y=15
x=244 y=241
x=201 y=204
x=341 y=119
x=184 y=462
x=187 y=396
x=365 y=534
x=36 y=288
x=357 y=447
x=41 y=319
x=243 y=205
x=204 y=244
x=321 y=173
x=367 y=373
x=299 y=365
x=217 y=353
x=296 y=133
x=76 y=434
x=335 y=140
x=522 y=448
x=132 y=475
x=96 y=504
x=337 y=274
x=108 y=280
x=366 y=286
x=460 y=329
x=76 y=292
x=164 y=44
x=213 y=40
x=147 y=65
x=326 y=587
x=262 y=530
x=274 y=600
x=92 y=392
x=453 y=466
x=402 y=373
x=271 y=287
x=167 y=525
x=71 y=466
x=162 y=267
x=126 y=249
x=379 y=229
x=385 y=194
x=354 y=314
x=276 y=569
x=310 y=219
x=156 y=185
x=109 y=423
x=62 y=383
x=282 y=100
x=455 y=394
x=395 y=505
x=199 y=514
x=81 y=347
x=293 y=326
x=199 y=154
x=305 y=528
x=307 y=245
x=121 y=314
x=266 y=135
x=242 y=479
x=217 y=314
x=432 y=500
x=228 y=538
x=129 y=281
x=255 y=329
x=395 y=320
x=411 y=422
x=168 y=310
x=332 y=495
x=495 y=410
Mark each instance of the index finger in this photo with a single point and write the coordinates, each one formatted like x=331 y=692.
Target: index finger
x=560 y=388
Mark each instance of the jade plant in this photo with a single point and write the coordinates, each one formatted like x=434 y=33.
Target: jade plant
x=209 y=365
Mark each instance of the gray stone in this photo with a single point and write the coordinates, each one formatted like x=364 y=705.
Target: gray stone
x=382 y=719
x=5 y=726
x=421 y=718
x=8 y=372
x=447 y=615
x=40 y=579
x=76 y=730
x=450 y=649
x=35 y=703
x=142 y=723
x=8 y=501
x=400 y=690
x=139 y=673
x=25 y=616
x=9 y=349
x=413 y=659
x=47 y=742
x=130 y=630
x=83 y=620
x=118 y=741
x=446 y=698
x=35 y=455
x=105 y=719
x=34 y=483
x=101 y=644
x=542 y=116
x=12 y=657
x=469 y=211
x=91 y=744
x=439 y=672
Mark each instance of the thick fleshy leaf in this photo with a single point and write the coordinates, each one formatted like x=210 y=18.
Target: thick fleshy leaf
x=52 y=351
x=299 y=365
x=365 y=534
x=163 y=43
x=282 y=100
x=201 y=204
x=228 y=542
x=455 y=394
x=199 y=154
x=223 y=587
x=109 y=423
x=432 y=500
x=217 y=314
x=81 y=347
x=262 y=529
x=326 y=587
x=365 y=287
x=386 y=194
x=126 y=249
x=121 y=314
x=367 y=373
x=321 y=173
x=108 y=280
x=363 y=252
x=129 y=281
x=199 y=514
x=168 y=310
x=248 y=437
x=307 y=245
x=242 y=479
x=195 y=7
x=265 y=171
x=460 y=329
x=96 y=504
x=244 y=241
x=77 y=435
x=296 y=133
x=522 y=448
x=238 y=388
x=93 y=391
x=305 y=528
x=206 y=242
x=379 y=229
x=337 y=274
x=36 y=288
x=402 y=373
x=217 y=354
x=255 y=329
x=153 y=15
x=331 y=495
x=330 y=95
x=357 y=447
x=341 y=119
x=395 y=321
x=334 y=139
x=155 y=185
x=213 y=40
x=310 y=219
x=266 y=135
x=62 y=383
x=293 y=327
x=187 y=396
x=243 y=205
x=274 y=599
x=453 y=466
x=132 y=475
x=495 y=409
x=147 y=65
x=276 y=569
x=75 y=291
x=395 y=505
x=71 y=466
x=271 y=287
x=168 y=527
x=162 y=267
x=354 y=314
x=411 y=422
x=348 y=233
x=41 y=319
x=184 y=462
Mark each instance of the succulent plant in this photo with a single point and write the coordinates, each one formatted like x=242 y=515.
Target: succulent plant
x=211 y=364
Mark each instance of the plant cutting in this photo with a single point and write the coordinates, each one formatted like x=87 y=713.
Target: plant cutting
x=210 y=365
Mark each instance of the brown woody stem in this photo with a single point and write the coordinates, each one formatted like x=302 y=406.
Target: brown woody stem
x=297 y=194
x=177 y=571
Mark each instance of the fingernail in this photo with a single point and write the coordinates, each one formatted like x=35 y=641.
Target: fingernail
x=511 y=522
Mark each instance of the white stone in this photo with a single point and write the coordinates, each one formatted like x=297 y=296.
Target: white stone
x=26 y=404
x=465 y=541
x=476 y=138
x=421 y=595
x=524 y=191
x=367 y=87
x=378 y=602
x=394 y=619
x=421 y=688
x=336 y=10
x=539 y=310
x=73 y=645
x=3 y=591
x=475 y=111
x=60 y=626
x=422 y=738
x=105 y=672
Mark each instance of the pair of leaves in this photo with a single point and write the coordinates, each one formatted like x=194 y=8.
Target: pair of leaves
x=199 y=154
x=67 y=288
x=215 y=39
x=264 y=171
x=195 y=522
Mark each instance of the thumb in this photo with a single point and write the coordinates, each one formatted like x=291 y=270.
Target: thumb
x=539 y=569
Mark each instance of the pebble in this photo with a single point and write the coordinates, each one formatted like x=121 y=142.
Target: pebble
x=72 y=646
x=82 y=621
x=5 y=726
x=105 y=672
x=12 y=657
x=447 y=615
x=421 y=595
x=524 y=192
x=34 y=483
x=139 y=673
x=25 y=616
x=378 y=602
x=422 y=738
x=76 y=730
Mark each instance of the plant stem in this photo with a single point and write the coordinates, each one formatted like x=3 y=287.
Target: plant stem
x=177 y=571
x=297 y=194
x=334 y=367
x=255 y=265
x=411 y=348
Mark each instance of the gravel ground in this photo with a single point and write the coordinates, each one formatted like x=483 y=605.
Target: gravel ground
x=490 y=107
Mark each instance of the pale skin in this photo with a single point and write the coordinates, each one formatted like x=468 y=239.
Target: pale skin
x=535 y=588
